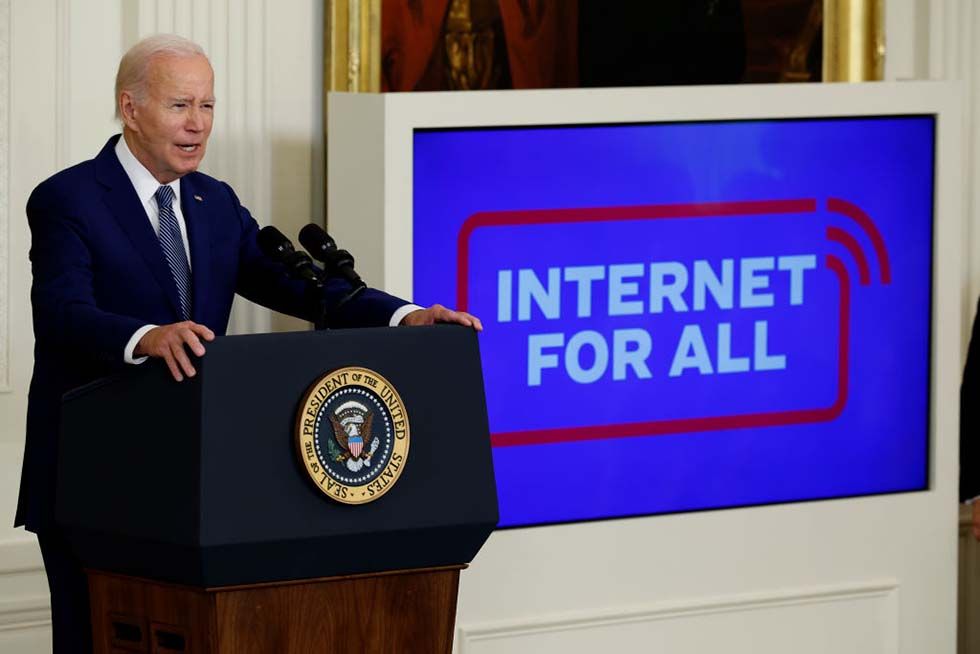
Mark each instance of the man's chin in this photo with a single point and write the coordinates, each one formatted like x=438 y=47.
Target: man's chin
x=185 y=166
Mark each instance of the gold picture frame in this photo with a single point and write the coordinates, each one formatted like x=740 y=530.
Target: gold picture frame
x=853 y=43
x=854 y=40
x=352 y=46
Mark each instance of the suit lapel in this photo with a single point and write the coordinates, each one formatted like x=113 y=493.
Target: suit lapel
x=121 y=198
x=194 y=206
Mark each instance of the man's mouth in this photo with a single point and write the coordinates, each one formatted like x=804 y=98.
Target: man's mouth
x=189 y=148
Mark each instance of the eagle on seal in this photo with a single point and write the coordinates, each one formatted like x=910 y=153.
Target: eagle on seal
x=352 y=430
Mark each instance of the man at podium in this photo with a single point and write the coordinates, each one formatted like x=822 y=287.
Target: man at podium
x=136 y=255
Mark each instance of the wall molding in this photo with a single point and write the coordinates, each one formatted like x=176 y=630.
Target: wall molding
x=4 y=196
x=953 y=55
x=21 y=607
x=20 y=555
x=62 y=87
x=954 y=29
x=27 y=613
x=886 y=590
x=971 y=77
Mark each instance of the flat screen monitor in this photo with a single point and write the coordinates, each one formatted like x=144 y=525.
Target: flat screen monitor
x=689 y=315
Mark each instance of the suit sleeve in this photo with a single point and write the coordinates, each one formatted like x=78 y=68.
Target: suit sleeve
x=266 y=282
x=62 y=291
x=970 y=418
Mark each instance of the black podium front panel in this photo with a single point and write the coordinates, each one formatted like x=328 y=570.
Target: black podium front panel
x=199 y=482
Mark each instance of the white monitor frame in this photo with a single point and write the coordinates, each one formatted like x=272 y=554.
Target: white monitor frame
x=370 y=164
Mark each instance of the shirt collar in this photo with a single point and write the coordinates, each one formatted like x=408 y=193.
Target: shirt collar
x=143 y=181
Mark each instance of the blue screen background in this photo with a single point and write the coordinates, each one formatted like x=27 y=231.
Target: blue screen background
x=878 y=444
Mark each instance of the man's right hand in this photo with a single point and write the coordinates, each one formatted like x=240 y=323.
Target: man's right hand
x=167 y=342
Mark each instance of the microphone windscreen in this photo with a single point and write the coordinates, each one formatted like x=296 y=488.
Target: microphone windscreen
x=316 y=240
x=274 y=243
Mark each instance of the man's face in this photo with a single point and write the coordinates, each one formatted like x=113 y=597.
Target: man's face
x=168 y=131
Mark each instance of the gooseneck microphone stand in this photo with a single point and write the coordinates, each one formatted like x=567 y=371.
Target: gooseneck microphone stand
x=277 y=247
x=336 y=262
x=317 y=298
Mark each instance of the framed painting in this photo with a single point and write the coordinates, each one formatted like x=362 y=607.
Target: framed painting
x=437 y=45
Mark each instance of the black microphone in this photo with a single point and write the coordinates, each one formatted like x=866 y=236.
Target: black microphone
x=324 y=248
x=277 y=247
x=316 y=241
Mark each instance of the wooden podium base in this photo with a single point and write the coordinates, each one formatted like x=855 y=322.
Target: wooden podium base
x=405 y=612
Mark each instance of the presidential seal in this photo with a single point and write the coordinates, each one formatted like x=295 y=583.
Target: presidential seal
x=352 y=435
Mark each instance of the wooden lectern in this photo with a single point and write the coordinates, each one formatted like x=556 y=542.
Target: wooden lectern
x=203 y=533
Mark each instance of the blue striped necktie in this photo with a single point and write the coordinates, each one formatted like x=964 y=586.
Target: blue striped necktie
x=173 y=248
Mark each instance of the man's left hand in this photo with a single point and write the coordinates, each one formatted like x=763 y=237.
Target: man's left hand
x=438 y=313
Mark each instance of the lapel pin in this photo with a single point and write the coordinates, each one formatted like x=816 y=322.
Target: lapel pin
x=199 y=198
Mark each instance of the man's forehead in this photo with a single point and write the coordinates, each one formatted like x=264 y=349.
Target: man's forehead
x=172 y=69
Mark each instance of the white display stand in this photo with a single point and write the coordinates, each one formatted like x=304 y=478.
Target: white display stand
x=864 y=575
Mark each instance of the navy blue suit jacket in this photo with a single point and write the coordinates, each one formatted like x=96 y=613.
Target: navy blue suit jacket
x=99 y=275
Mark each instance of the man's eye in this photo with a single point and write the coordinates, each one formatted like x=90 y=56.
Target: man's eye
x=209 y=107
x=179 y=105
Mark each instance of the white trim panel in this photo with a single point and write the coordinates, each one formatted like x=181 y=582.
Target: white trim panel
x=4 y=195
x=860 y=618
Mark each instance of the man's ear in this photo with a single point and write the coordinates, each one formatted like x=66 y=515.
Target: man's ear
x=127 y=109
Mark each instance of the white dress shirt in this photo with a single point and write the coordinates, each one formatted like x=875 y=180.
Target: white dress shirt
x=146 y=186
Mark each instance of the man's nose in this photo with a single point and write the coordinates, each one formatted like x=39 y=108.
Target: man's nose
x=195 y=120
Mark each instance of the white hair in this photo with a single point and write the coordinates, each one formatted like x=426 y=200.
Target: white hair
x=134 y=65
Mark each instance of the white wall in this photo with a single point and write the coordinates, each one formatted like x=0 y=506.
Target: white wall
x=57 y=67
x=57 y=61
x=951 y=50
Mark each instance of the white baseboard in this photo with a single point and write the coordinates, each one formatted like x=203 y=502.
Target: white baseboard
x=723 y=623
x=25 y=613
x=20 y=555
x=24 y=601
